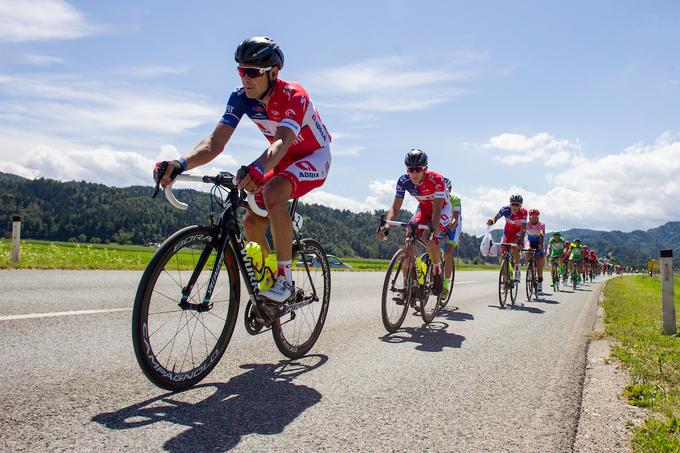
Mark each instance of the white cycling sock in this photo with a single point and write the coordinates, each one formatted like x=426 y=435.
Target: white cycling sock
x=284 y=269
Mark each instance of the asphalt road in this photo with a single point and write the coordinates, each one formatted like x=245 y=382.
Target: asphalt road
x=479 y=378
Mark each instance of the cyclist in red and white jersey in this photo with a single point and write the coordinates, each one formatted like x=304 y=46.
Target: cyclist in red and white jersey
x=296 y=161
x=515 y=227
x=434 y=208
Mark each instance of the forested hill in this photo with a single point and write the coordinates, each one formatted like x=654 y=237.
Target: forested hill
x=87 y=212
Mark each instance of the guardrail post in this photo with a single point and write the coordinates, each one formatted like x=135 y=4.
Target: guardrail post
x=667 y=292
x=16 y=237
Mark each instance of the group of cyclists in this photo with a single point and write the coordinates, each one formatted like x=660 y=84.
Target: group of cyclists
x=298 y=159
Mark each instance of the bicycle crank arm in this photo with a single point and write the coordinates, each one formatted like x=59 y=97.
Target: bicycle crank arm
x=294 y=306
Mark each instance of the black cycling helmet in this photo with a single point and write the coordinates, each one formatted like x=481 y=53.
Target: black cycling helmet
x=259 y=51
x=447 y=183
x=415 y=158
x=516 y=199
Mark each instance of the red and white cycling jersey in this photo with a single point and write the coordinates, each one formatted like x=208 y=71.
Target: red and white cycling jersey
x=430 y=188
x=289 y=106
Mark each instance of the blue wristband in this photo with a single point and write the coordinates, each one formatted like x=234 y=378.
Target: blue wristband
x=259 y=166
x=183 y=163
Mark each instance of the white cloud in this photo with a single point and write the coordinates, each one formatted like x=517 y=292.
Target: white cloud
x=16 y=169
x=97 y=109
x=391 y=84
x=103 y=165
x=542 y=147
x=42 y=60
x=33 y=20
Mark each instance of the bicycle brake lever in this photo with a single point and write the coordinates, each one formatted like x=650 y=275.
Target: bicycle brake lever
x=160 y=171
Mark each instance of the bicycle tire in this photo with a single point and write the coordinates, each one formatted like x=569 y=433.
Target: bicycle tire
x=445 y=301
x=429 y=302
x=530 y=281
x=288 y=332
x=503 y=283
x=388 y=305
x=514 y=289
x=161 y=285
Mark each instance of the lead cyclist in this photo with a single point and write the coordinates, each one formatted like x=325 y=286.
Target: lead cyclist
x=296 y=161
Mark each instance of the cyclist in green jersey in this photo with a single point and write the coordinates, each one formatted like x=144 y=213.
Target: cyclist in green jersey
x=576 y=255
x=450 y=237
x=556 y=248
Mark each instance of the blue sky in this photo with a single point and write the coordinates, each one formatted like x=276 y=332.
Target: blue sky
x=575 y=105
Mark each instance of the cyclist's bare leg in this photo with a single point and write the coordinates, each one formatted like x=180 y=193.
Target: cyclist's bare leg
x=434 y=249
x=448 y=260
x=276 y=194
x=255 y=228
x=540 y=264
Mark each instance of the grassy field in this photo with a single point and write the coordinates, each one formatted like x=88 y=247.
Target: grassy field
x=633 y=318
x=69 y=255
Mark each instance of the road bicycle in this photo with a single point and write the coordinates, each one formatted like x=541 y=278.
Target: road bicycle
x=575 y=273
x=408 y=285
x=506 y=282
x=531 y=278
x=555 y=272
x=187 y=302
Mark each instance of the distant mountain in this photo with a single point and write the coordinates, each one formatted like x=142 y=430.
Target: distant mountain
x=87 y=212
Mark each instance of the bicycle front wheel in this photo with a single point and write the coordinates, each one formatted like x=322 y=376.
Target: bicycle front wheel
x=503 y=282
x=295 y=333
x=395 y=294
x=514 y=288
x=176 y=344
x=429 y=302
x=530 y=282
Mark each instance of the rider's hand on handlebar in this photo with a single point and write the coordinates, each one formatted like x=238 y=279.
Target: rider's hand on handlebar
x=249 y=178
x=170 y=170
x=381 y=233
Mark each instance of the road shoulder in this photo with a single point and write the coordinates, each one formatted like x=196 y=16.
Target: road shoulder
x=606 y=418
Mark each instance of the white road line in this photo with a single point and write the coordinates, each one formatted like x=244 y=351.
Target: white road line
x=62 y=313
x=464 y=283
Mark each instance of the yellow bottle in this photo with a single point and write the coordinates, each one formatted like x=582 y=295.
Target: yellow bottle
x=254 y=251
x=269 y=272
x=421 y=269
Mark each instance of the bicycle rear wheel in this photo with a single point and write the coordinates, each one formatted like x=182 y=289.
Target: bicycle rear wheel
x=177 y=347
x=295 y=333
x=395 y=295
x=503 y=282
x=443 y=302
x=429 y=303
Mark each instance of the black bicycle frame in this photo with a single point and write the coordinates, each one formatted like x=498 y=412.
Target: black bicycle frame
x=228 y=234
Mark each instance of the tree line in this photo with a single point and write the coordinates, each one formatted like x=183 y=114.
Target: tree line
x=94 y=213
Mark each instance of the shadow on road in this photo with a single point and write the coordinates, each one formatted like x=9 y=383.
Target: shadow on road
x=546 y=301
x=429 y=338
x=519 y=307
x=451 y=314
x=263 y=400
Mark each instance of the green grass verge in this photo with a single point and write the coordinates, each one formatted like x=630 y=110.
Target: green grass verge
x=68 y=255
x=633 y=318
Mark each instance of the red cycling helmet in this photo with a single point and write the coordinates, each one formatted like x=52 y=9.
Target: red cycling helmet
x=534 y=212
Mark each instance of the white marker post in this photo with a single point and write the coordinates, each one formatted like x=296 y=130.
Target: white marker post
x=16 y=237
x=667 y=292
